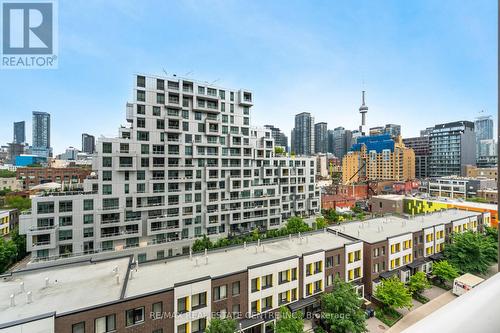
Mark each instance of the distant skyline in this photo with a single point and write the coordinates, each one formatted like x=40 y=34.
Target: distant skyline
x=421 y=62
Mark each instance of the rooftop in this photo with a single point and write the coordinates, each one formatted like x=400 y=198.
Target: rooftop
x=70 y=287
x=226 y=260
x=86 y=284
x=379 y=229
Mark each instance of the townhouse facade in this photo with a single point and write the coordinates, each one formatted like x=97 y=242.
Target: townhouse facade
x=291 y=271
x=395 y=246
x=188 y=165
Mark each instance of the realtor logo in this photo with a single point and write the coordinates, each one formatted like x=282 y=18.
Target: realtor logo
x=29 y=34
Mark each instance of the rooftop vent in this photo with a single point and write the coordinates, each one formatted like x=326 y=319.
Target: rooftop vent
x=29 y=297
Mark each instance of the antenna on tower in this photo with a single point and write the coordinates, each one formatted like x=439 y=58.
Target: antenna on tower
x=164 y=71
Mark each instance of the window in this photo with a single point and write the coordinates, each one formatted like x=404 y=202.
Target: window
x=106 y=189
x=220 y=292
x=107 y=147
x=156 y=111
x=135 y=316
x=141 y=122
x=255 y=284
x=107 y=162
x=88 y=232
x=182 y=305
x=88 y=219
x=329 y=262
x=267 y=281
x=267 y=303
x=294 y=274
x=65 y=221
x=182 y=328
x=199 y=325
x=199 y=300
x=142 y=136
x=236 y=288
x=105 y=324
x=65 y=206
x=157 y=310
x=78 y=328
x=141 y=81
x=141 y=109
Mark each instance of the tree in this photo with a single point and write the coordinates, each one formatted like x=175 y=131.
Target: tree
x=296 y=224
x=7 y=174
x=218 y=325
x=289 y=322
x=18 y=202
x=418 y=283
x=8 y=254
x=341 y=309
x=393 y=294
x=444 y=271
x=279 y=150
x=320 y=223
x=471 y=252
x=202 y=244
x=491 y=232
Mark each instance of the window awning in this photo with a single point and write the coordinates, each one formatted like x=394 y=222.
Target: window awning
x=302 y=303
x=418 y=262
x=386 y=275
x=243 y=324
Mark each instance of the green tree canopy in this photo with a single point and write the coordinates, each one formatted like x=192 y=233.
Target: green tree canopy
x=8 y=254
x=221 y=325
x=471 y=252
x=444 y=270
x=393 y=294
x=18 y=202
x=289 y=322
x=418 y=283
x=7 y=174
x=202 y=243
x=341 y=309
x=296 y=224
x=279 y=150
x=320 y=223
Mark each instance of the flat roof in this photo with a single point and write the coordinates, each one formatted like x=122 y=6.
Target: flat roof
x=463 y=203
x=71 y=287
x=379 y=229
x=226 y=261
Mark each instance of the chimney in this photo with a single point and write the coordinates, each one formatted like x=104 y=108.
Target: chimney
x=245 y=244
x=258 y=242
x=196 y=261
x=131 y=274
x=190 y=253
x=12 y=300
x=21 y=286
x=206 y=252
x=29 y=297
x=46 y=282
x=290 y=237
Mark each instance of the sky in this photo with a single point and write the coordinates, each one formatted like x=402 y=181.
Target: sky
x=421 y=62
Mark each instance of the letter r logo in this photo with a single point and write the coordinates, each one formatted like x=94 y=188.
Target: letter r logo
x=27 y=28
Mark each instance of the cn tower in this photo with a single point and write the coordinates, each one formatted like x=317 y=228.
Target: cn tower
x=363 y=109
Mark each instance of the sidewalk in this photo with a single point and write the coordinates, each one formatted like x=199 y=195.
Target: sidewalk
x=421 y=312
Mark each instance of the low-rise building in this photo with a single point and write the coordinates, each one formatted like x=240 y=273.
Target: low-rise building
x=395 y=246
x=334 y=201
x=181 y=294
x=32 y=176
x=491 y=196
x=10 y=183
x=475 y=172
x=458 y=187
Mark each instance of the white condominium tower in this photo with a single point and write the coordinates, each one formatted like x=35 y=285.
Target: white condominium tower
x=188 y=164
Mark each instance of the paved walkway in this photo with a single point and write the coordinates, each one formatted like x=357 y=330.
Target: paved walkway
x=413 y=316
x=374 y=325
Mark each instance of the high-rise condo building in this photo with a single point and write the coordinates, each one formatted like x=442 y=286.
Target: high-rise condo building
x=452 y=147
x=280 y=139
x=187 y=165
x=88 y=143
x=321 y=137
x=378 y=158
x=303 y=134
x=342 y=141
x=41 y=134
x=420 y=146
x=19 y=132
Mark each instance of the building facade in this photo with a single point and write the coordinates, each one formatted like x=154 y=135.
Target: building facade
x=189 y=165
x=452 y=147
x=341 y=141
x=303 y=134
x=41 y=134
x=19 y=132
x=474 y=172
x=32 y=176
x=249 y=281
x=321 y=137
x=420 y=146
x=378 y=158
x=88 y=143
